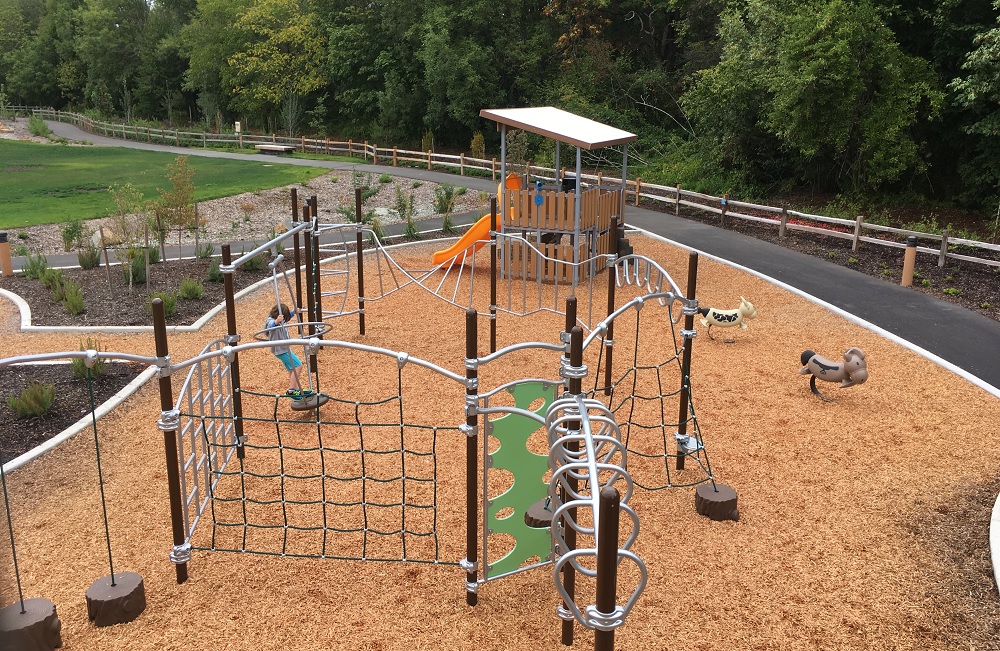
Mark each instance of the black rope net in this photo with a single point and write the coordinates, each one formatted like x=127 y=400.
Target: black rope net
x=644 y=394
x=352 y=480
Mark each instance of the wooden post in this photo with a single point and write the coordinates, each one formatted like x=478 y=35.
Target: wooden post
x=856 y=242
x=374 y=154
x=677 y=201
x=303 y=144
x=494 y=168
x=366 y=151
x=177 y=142
x=395 y=156
x=233 y=338
x=273 y=138
x=725 y=209
x=429 y=154
x=600 y=179
x=783 y=223
x=350 y=147
x=326 y=145
x=240 y=134
x=943 y=256
x=638 y=188
x=204 y=142
x=461 y=164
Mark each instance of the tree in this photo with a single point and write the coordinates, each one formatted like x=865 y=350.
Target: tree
x=978 y=91
x=175 y=206
x=110 y=33
x=208 y=41
x=281 y=55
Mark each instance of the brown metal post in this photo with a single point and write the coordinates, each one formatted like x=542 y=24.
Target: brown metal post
x=310 y=293
x=609 y=337
x=607 y=564
x=471 y=459
x=232 y=339
x=493 y=274
x=360 y=253
x=170 y=439
x=686 y=359
x=575 y=388
x=296 y=243
x=318 y=277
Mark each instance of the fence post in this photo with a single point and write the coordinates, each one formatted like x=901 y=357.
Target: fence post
x=725 y=209
x=374 y=154
x=494 y=170
x=857 y=232
x=461 y=164
x=204 y=141
x=395 y=156
x=303 y=144
x=783 y=224
x=366 y=151
x=909 y=258
x=326 y=145
x=677 y=202
x=350 y=147
x=600 y=179
x=240 y=134
x=177 y=140
x=149 y=138
x=429 y=154
x=274 y=138
x=943 y=256
x=638 y=187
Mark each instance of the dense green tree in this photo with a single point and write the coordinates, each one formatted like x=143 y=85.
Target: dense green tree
x=978 y=91
x=208 y=41
x=110 y=33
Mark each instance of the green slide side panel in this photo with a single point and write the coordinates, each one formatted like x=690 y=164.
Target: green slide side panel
x=528 y=469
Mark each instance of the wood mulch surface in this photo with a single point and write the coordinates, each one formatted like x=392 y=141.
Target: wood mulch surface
x=863 y=521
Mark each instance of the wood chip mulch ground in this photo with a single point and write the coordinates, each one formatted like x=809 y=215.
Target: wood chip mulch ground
x=863 y=521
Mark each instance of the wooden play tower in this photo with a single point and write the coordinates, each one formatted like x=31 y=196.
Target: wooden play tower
x=559 y=223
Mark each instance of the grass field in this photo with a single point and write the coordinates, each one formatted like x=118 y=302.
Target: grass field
x=43 y=184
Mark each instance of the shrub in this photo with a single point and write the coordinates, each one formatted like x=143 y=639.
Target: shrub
x=80 y=366
x=72 y=298
x=191 y=289
x=35 y=266
x=205 y=251
x=215 y=274
x=925 y=283
x=447 y=225
x=427 y=141
x=35 y=400
x=21 y=250
x=154 y=254
x=134 y=273
x=478 y=146
x=444 y=198
x=37 y=127
x=255 y=263
x=952 y=291
x=169 y=303
x=88 y=257
x=72 y=233
x=385 y=178
x=378 y=231
x=52 y=278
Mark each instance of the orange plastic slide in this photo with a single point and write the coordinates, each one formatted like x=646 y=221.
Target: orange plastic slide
x=479 y=231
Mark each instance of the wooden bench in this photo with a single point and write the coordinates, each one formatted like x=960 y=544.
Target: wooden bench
x=275 y=149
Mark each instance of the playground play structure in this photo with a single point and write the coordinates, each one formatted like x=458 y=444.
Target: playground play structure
x=553 y=432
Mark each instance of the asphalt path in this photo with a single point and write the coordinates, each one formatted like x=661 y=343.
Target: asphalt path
x=962 y=338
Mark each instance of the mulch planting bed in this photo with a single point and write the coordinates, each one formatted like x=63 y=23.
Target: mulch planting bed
x=72 y=401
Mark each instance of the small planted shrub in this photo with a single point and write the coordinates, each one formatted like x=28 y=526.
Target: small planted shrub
x=72 y=299
x=80 y=366
x=34 y=401
x=52 y=279
x=952 y=291
x=416 y=184
x=832 y=255
x=925 y=283
x=169 y=303
x=205 y=251
x=378 y=231
x=72 y=233
x=478 y=145
x=447 y=225
x=88 y=257
x=215 y=274
x=985 y=305
x=21 y=250
x=134 y=273
x=191 y=289
x=385 y=178
x=35 y=266
x=852 y=261
x=255 y=263
x=444 y=198
x=37 y=127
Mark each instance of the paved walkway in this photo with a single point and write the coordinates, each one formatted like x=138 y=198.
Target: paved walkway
x=965 y=339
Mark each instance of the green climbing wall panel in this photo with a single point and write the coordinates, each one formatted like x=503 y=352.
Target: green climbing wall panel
x=512 y=431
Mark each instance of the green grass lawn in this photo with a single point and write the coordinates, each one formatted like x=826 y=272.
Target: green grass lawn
x=44 y=184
